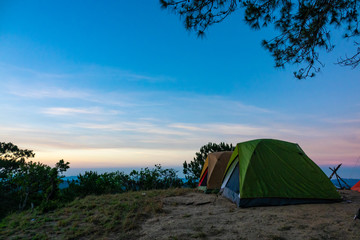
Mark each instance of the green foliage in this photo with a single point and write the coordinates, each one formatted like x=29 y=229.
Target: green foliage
x=92 y=183
x=304 y=26
x=35 y=185
x=26 y=184
x=11 y=157
x=192 y=170
x=96 y=184
x=156 y=178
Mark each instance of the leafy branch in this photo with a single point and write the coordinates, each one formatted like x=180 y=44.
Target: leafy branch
x=303 y=26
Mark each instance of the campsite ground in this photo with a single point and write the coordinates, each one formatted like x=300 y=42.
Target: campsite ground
x=183 y=214
x=196 y=215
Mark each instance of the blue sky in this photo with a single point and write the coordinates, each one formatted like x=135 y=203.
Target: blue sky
x=123 y=84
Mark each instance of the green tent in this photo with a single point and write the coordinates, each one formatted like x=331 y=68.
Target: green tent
x=274 y=172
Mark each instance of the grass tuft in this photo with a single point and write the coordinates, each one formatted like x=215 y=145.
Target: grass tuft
x=285 y=228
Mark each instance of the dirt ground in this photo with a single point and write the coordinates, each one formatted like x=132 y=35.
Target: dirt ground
x=208 y=216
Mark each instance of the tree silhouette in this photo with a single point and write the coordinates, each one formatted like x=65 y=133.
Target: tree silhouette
x=11 y=157
x=26 y=184
x=304 y=26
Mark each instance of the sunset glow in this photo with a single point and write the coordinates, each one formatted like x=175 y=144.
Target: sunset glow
x=123 y=84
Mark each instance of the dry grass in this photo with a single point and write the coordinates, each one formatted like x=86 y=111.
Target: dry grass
x=182 y=214
x=93 y=217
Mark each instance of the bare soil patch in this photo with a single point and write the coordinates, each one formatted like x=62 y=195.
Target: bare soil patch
x=196 y=215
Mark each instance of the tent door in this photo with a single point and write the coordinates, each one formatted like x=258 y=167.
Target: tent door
x=229 y=172
x=233 y=183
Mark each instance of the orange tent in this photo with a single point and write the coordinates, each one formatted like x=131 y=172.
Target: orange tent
x=356 y=187
x=213 y=170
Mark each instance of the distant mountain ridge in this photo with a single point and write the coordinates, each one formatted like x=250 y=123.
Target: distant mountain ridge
x=350 y=181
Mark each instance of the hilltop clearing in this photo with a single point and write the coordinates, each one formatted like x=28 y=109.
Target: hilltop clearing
x=208 y=216
x=184 y=214
x=110 y=216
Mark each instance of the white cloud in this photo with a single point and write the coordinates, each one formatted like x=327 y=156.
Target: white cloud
x=343 y=121
x=73 y=111
x=142 y=127
x=28 y=92
x=83 y=119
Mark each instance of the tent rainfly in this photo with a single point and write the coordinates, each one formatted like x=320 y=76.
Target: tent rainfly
x=213 y=170
x=273 y=172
